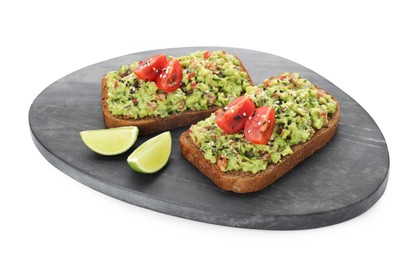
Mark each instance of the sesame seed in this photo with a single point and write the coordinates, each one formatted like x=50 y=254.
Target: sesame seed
x=259 y=123
x=244 y=114
x=233 y=111
x=249 y=131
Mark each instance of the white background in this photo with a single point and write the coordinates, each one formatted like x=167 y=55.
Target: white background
x=363 y=47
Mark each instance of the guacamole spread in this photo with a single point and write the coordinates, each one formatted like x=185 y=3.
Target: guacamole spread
x=207 y=82
x=300 y=108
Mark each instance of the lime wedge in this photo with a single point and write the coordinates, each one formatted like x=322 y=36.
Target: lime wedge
x=110 y=141
x=152 y=155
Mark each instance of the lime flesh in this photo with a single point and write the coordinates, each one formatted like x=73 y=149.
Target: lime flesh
x=152 y=155
x=110 y=141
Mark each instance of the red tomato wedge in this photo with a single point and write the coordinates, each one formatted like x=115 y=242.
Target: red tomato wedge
x=260 y=125
x=171 y=76
x=150 y=68
x=232 y=117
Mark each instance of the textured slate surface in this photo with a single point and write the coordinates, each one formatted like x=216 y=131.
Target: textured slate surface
x=339 y=182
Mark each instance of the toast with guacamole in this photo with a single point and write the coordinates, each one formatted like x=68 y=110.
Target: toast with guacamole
x=162 y=93
x=257 y=138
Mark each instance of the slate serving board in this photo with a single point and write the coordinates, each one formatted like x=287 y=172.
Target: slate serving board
x=339 y=182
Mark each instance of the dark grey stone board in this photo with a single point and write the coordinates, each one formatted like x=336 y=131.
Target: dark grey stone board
x=339 y=182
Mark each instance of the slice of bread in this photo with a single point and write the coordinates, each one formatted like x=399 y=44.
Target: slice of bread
x=154 y=124
x=243 y=182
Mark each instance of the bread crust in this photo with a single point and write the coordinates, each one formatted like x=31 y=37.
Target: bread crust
x=151 y=124
x=244 y=182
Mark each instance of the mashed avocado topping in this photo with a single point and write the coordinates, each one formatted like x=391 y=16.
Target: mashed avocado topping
x=300 y=109
x=207 y=82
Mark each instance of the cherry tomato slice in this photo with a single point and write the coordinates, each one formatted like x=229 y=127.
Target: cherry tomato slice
x=207 y=54
x=232 y=117
x=150 y=68
x=171 y=76
x=260 y=125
